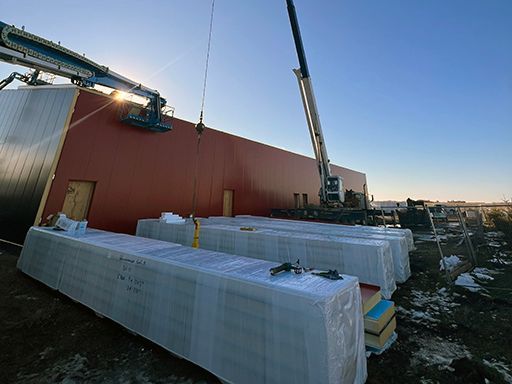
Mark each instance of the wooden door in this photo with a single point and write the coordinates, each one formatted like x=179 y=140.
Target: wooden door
x=78 y=199
x=227 y=205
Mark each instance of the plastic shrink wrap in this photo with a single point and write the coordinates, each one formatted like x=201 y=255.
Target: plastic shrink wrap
x=398 y=242
x=370 y=260
x=388 y=231
x=224 y=313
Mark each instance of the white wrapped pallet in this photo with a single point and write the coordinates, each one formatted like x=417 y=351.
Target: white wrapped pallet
x=398 y=243
x=224 y=313
x=370 y=260
x=398 y=232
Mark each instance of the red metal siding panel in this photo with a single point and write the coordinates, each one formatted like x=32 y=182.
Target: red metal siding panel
x=139 y=173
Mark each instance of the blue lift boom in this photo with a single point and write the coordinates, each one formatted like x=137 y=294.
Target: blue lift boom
x=32 y=51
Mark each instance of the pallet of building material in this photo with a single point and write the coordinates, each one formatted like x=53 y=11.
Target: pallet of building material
x=370 y=260
x=398 y=243
x=404 y=233
x=399 y=232
x=222 y=312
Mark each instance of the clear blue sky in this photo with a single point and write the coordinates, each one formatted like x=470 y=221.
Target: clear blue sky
x=417 y=94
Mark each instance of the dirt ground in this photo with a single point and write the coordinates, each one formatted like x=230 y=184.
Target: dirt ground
x=450 y=333
x=446 y=333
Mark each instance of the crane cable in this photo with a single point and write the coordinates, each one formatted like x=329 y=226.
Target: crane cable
x=200 y=127
x=206 y=65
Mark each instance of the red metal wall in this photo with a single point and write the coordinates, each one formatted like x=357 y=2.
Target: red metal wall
x=139 y=173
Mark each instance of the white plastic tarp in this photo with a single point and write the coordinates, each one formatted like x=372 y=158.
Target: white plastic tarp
x=399 y=232
x=370 y=260
x=399 y=244
x=223 y=312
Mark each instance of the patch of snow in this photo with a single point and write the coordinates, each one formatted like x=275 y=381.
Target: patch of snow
x=486 y=271
x=426 y=238
x=451 y=262
x=461 y=241
x=429 y=236
x=428 y=306
x=420 y=315
x=436 y=351
x=26 y=297
x=500 y=257
x=45 y=352
x=501 y=368
x=417 y=316
x=441 y=299
x=71 y=370
x=141 y=378
x=494 y=244
x=402 y=310
x=494 y=234
x=467 y=281
x=482 y=276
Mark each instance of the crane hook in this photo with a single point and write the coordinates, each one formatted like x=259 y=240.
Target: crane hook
x=200 y=127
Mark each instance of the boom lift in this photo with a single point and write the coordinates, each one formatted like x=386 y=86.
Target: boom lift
x=23 y=48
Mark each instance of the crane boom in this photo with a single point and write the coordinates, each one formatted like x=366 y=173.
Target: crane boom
x=331 y=190
x=32 y=51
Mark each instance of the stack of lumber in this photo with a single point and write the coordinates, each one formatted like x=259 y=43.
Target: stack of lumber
x=379 y=317
x=222 y=312
x=370 y=260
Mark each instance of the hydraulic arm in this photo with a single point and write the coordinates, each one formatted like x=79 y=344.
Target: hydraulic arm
x=23 y=48
x=31 y=79
x=331 y=189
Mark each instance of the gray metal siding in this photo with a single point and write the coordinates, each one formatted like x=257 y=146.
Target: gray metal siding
x=31 y=124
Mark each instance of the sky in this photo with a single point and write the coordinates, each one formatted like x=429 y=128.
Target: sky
x=416 y=94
